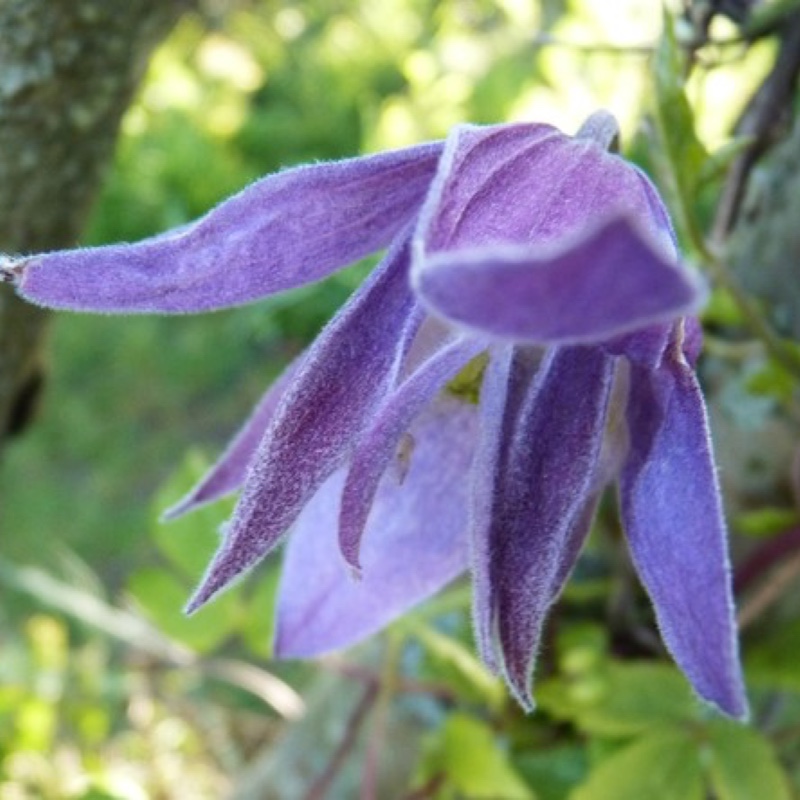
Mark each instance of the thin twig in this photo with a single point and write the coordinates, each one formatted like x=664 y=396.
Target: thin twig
x=784 y=355
x=319 y=788
x=770 y=592
x=760 y=122
x=427 y=790
x=765 y=111
x=401 y=685
x=765 y=557
x=387 y=687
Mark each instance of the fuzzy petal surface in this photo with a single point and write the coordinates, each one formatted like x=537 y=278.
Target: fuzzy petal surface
x=283 y=231
x=228 y=473
x=584 y=288
x=550 y=458
x=344 y=378
x=380 y=443
x=530 y=184
x=673 y=518
x=505 y=381
x=415 y=542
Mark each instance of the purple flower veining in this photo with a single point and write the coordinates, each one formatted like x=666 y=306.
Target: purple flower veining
x=543 y=259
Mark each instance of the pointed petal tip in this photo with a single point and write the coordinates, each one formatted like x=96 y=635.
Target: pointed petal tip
x=193 y=501
x=350 y=552
x=225 y=569
x=207 y=590
x=175 y=511
x=731 y=703
x=727 y=696
x=522 y=694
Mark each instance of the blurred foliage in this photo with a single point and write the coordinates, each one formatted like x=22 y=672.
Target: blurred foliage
x=107 y=692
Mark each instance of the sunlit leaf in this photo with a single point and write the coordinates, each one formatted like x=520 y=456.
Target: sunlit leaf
x=771 y=660
x=188 y=542
x=258 y=624
x=474 y=762
x=663 y=764
x=553 y=772
x=162 y=597
x=765 y=522
x=717 y=163
x=456 y=665
x=743 y=764
x=685 y=154
x=621 y=699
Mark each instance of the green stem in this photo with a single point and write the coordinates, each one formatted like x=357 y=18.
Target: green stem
x=784 y=355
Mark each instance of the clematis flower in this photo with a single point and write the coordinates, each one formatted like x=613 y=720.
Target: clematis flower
x=544 y=265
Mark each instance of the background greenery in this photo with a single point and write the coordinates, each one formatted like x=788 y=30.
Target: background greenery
x=107 y=692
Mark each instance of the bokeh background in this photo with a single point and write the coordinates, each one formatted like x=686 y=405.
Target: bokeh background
x=108 y=693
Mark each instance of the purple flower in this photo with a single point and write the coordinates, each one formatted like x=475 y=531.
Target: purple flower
x=543 y=265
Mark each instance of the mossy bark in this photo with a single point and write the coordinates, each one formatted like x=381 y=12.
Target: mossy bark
x=68 y=71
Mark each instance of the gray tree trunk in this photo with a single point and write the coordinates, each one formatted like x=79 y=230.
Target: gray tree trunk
x=68 y=70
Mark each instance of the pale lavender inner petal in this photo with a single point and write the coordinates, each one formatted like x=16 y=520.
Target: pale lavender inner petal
x=380 y=443
x=415 y=542
x=284 y=231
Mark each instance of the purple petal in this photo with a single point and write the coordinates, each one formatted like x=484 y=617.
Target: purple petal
x=415 y=542
x=644 y=347
x=505 y=381
x=648 y=346
x=530 y=184
x=285 y=230
x=549 y=461
x=342 y=381
x=612 y=456
x=673 y=518
x=595 y=285
x=228 y=474
x=380 y=443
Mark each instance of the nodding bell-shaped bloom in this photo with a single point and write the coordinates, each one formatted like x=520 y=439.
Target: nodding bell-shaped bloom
x=543 y=266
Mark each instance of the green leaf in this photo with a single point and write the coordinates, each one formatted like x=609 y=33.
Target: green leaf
x=771 y=660
x=772 y=380
x=722 y=310
x=452 y=662
x=639 y=697
x=258 y=626
x=476 y=766
x=744 y=765
x=766 y=16
x=684 y=152
x=622 y=699
x=765 y=522
x=98 y=794
x=188 y=542
x=162 y=597
x=554 y=771
x=718 y=162
x=663 y=764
